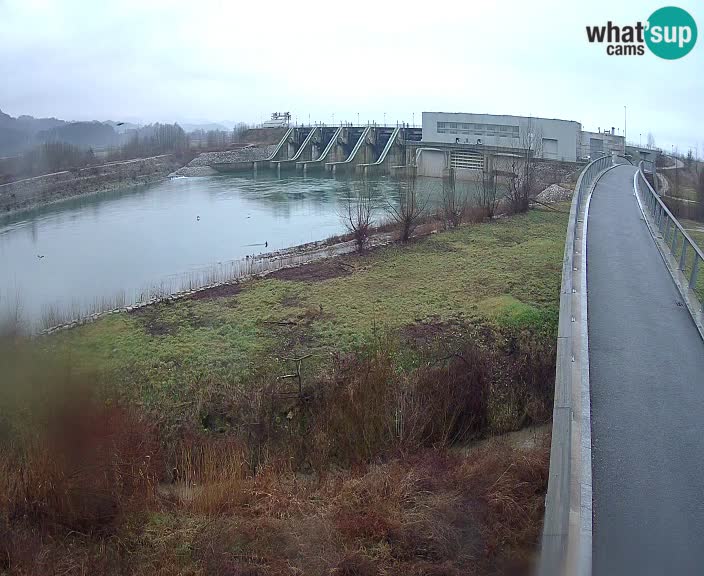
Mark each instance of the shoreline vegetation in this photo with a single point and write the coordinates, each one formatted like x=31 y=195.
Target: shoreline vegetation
x=347 y=416
x=233 y=272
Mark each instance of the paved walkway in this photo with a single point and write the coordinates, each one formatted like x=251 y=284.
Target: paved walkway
x=647 y=386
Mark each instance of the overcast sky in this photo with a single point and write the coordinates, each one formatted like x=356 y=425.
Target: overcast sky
x=153 y=60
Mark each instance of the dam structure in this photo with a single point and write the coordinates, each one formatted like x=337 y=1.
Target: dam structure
x=345 y=149
x=448 y=142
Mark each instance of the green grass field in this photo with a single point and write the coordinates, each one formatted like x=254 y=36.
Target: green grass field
x=172 y=357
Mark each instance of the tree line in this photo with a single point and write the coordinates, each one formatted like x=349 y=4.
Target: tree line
x=153 y=140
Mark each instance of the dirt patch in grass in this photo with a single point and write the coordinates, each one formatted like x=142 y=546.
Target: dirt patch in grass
x=292 y=301
x=430 y=331
x=217 y=292
x=316 y=271
x=153 y=323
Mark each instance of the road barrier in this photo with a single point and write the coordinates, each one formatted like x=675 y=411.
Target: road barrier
x=686 y=254
x=566 y=545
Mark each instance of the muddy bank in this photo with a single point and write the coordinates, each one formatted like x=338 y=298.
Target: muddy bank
x=31 y=192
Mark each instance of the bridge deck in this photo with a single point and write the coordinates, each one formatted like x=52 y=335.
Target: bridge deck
x=647 y=387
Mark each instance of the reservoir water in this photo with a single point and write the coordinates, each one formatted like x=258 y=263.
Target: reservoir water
x=80 y=254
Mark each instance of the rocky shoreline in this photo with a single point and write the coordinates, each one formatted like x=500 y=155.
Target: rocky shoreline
x=201 y=164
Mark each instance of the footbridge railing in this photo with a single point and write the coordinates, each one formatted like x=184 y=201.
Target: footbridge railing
x=687 y=256
x=566 y=544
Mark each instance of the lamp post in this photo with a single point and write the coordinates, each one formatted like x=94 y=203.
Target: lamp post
x=624 y=124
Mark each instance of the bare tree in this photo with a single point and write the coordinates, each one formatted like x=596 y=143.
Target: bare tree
x=487 y=187
x=651 y=140
x=407 y=208
x=522 y=167
x=454 y=201
x=357 y=215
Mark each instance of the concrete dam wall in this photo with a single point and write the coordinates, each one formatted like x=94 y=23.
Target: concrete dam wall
x=52 y=187
x=335 y=149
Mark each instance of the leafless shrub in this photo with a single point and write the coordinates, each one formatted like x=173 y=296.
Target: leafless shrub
x=520 y=169
x=407 y=208
x=11 y=317
x=454 y=201
x=487 y=186
x=357 y=214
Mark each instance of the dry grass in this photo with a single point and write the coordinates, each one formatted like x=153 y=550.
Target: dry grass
x=364 y=472
x=68 y=457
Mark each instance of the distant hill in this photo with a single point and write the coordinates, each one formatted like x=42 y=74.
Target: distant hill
x=25 y=132
x=83 y=134
x=17 y=134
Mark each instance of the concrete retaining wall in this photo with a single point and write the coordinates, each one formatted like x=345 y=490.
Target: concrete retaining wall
x=51 y=187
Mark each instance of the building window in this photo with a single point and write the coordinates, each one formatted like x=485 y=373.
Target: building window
x=481 y=130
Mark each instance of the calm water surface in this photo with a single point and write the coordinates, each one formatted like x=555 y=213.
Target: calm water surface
x=71 y=255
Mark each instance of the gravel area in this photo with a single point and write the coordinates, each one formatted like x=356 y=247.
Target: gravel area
x=554 y=193
x=200 y=165
x=194 y=171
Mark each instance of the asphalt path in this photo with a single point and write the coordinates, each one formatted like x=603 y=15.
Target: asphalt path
x=646 y=362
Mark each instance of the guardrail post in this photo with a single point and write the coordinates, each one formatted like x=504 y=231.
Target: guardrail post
x=695 y=271
x=675 y=239
x=683 y=258
x=671 y=231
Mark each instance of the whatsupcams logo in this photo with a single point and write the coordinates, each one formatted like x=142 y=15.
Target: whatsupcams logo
x=669 y=33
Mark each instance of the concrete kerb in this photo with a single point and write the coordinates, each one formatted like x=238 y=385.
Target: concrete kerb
x=688 y=296
x=567 y=530
x=585 y=480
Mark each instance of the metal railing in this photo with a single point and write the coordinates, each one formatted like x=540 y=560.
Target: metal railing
x=686 y=253
x=563 y=542
x=586 y=178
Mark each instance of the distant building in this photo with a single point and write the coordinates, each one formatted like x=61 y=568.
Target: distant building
x=468 y=142
x=594 y=144
x=278 y=120
x=550 y=138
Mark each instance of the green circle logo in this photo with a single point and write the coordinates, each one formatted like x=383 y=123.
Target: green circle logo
x=670 y=33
